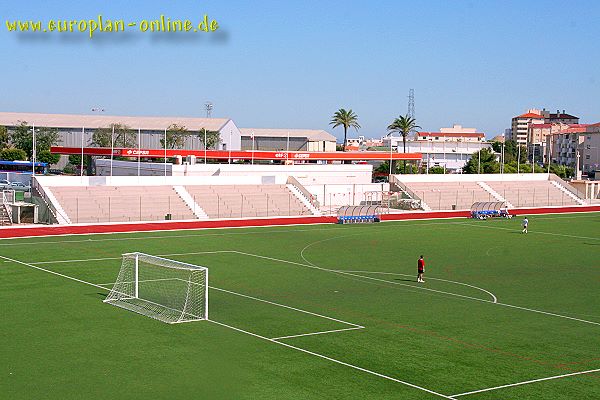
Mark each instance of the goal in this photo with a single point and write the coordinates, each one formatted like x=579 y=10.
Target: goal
x=163 y=289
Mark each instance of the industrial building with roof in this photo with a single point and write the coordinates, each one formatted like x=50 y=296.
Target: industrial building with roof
x=77 y=130
x=287 y=139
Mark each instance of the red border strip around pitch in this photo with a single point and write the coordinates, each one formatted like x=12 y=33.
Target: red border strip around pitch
x=235 y=223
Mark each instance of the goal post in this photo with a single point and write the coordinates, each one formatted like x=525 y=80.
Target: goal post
x=167 y=290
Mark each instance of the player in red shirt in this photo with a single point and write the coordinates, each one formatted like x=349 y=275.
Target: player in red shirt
x=420 y=269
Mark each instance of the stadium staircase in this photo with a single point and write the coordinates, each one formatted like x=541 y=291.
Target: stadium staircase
x=496 y=195
x=568 y=193
x=191 y=203
x=5 y=212
x=397 y=186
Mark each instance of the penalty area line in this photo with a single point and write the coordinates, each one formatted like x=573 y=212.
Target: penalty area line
x=312 y=353
x=318 y=333
x=527 y=382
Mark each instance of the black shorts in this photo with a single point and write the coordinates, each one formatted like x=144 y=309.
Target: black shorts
x=421 y=271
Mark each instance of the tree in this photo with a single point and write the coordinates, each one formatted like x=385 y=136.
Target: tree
x=403 y=125
x=212 y=138
x=4 y=137
x=385 y=168
x=347 y=119
x=45 y=138
x=562 y=170
x=22 y=138
x=75 y=159
x=46 y=157
x=488 y=164
x=124 y=136
x=175 y=137
x=12 y=154
x=437 y=170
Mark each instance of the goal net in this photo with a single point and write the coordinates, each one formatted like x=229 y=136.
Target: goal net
x=167 y=290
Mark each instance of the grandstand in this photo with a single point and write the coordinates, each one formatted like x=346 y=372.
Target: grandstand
x=459 y=192
x=534 y=193
x=129 y=199
x=264 y=193
x=121 y=203
x=244 y=201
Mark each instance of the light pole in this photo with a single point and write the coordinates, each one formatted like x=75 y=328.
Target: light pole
x=390 y=136
x=33 y=150
x=82 y=136
x=112 y=147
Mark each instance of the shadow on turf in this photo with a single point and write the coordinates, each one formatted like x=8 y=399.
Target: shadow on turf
x=404 y=280
x=98 y=294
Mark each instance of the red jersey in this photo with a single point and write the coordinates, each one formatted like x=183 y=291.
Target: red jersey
x=421 y=264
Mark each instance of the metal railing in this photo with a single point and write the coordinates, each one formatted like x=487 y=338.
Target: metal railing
x=566 y=185
x=36 y=188
x=401 y=186
x=308 y=195
x=7 y=210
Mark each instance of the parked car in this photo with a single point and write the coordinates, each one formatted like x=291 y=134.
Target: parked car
x=4 y=184
x=23 y=187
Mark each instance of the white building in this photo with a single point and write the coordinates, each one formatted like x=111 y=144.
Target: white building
x=450 y=148
x=451 y=155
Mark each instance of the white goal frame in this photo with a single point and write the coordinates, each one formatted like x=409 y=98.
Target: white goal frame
x=187 y=301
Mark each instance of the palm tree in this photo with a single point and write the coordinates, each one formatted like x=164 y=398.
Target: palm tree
x=404 y=125
x=346 y=119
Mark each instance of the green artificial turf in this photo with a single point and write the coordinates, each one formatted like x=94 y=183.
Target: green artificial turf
x=498 y=307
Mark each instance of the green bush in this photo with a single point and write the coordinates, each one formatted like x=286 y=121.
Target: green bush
x=437 y=170
x=46 y=157
x=12 y=154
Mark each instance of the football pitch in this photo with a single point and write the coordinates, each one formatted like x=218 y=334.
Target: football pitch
x=315 y=312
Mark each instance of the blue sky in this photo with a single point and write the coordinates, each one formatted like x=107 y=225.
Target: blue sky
x=292 y=64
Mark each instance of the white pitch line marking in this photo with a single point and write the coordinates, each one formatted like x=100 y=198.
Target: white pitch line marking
x=389 y=224
x=257 y=336
x=318 y=333
x=356 y=326
x=334 y=360
x=494 y=299
x=527 y=382
x=533 y=231
x=51 y=272
x=472 y=298
x=390 y=282
x=310 y=265
x=118 y=258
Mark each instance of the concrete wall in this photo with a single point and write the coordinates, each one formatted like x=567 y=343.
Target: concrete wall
x=305 y=173
x=50 y=181
x=472 y=177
